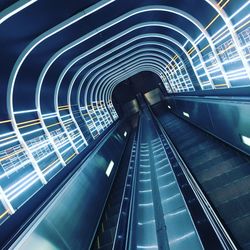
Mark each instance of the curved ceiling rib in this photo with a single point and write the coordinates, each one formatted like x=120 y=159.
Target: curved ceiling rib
x=87 y=64
x=104 y=82
x=82 y=56
x=121 y=63
x=100 y=86
x=112 y=58
x=160 y=62
x=107 y=94
x=103 y=63
x=136 y=68
x=14 y=9
x=153 y=35
x=116 y=70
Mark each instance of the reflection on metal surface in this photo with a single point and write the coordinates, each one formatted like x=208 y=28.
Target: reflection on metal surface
x=186 y=114
x=245 y=140
x=109 y=168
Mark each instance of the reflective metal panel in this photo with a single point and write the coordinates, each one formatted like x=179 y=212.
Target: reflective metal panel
x=70 y=220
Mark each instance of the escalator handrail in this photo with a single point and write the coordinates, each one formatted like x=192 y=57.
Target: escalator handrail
x=132 y=202
x=104 y=205
x=123 y=197
x=215 y=222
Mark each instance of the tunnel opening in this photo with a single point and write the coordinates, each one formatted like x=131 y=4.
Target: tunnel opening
x=124 y=125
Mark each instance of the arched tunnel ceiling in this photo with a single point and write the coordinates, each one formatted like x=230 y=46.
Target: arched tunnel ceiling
x=48 y=36
x=61 y=61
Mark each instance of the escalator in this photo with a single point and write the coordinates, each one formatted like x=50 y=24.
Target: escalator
x=158 y=199
x=162 y=209
x=159 y=208
x=150 y=200
x=222 y=172
x=107 y=227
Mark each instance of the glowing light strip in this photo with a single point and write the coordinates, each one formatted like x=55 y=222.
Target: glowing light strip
x=239 y=10
x=197 y=40
x=12 y=12
x=236 y=70
x=53 y=114
x=243 y=25
x=185 y=43
x=65 y=151
x=173 y=42
x=9 y=142
x=139 y=52
x=220 y=2
x=101 y=84
x=68 y=159
x=4 y=214
x=6 y=202
x=219 y=33
x=29 y=125
x=26 y=185
x=24 y=178
x=6 y=121
x=239 y=78
x=109 y=89
x=107 y=92
x=218 y=15
x=105 y=80
x=51 y=167
x=25 y=111
x=11 y=171
x=6 y=139
x=7 y=134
